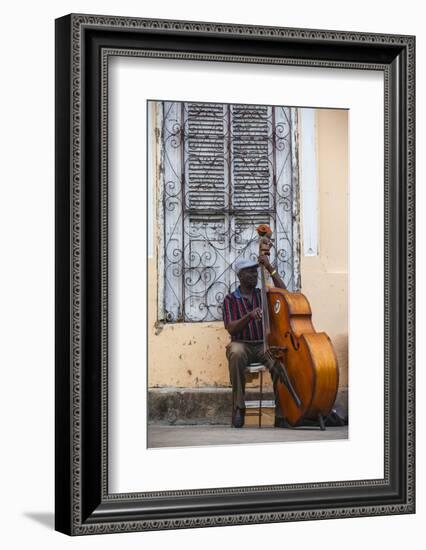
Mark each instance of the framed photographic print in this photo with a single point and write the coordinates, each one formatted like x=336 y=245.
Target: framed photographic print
x=234 y=274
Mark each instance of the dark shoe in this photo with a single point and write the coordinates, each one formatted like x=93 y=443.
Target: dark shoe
x=281 y=423
x=334 y=418
x=238 y=418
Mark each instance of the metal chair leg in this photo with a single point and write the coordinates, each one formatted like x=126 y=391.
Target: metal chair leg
x=321 y=422
x=233 y=404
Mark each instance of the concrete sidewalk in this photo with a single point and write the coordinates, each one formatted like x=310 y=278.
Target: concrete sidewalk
x=196 y=435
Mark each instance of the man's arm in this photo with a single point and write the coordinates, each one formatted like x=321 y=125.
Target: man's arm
x=278 y=282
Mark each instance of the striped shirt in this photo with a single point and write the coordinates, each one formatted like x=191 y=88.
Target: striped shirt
x=235 y=306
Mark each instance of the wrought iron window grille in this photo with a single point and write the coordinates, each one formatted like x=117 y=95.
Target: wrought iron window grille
x=225 y=168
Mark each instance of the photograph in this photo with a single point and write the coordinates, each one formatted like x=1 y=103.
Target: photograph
x=212 y=243
x=234 y=301
x=247 y=274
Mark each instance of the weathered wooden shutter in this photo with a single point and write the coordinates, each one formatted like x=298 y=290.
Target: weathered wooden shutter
x=265 y=183
x=252 y=175
x=206 y=202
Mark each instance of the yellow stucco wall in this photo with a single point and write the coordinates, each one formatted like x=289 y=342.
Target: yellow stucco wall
x=325 y=277
x=193 y=354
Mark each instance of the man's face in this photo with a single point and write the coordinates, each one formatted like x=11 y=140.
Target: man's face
x=248 y=277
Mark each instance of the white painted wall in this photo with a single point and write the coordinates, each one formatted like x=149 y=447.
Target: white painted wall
x=308 y=181
x=26 y=228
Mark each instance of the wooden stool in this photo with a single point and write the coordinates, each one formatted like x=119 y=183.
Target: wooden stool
x=252 y=371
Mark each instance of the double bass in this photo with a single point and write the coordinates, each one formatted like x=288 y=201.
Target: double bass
x=309 y=374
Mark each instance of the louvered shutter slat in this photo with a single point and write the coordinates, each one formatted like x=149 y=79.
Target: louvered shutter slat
x=251 y=174
x=205 y=172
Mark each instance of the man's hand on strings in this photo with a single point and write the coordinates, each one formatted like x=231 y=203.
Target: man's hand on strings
x=278 y=282
x=256 y=314
x=264 y=260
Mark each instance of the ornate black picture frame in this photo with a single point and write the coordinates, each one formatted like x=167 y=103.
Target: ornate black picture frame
x=83 y=46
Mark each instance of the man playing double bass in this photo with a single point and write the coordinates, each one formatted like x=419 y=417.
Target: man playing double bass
x=242 y=316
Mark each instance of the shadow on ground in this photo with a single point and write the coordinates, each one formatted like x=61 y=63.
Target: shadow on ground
x=47 y=519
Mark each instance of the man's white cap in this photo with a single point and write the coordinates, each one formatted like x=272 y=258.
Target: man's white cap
x=244 y=263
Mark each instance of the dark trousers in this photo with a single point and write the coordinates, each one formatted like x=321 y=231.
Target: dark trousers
x=240 y=355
